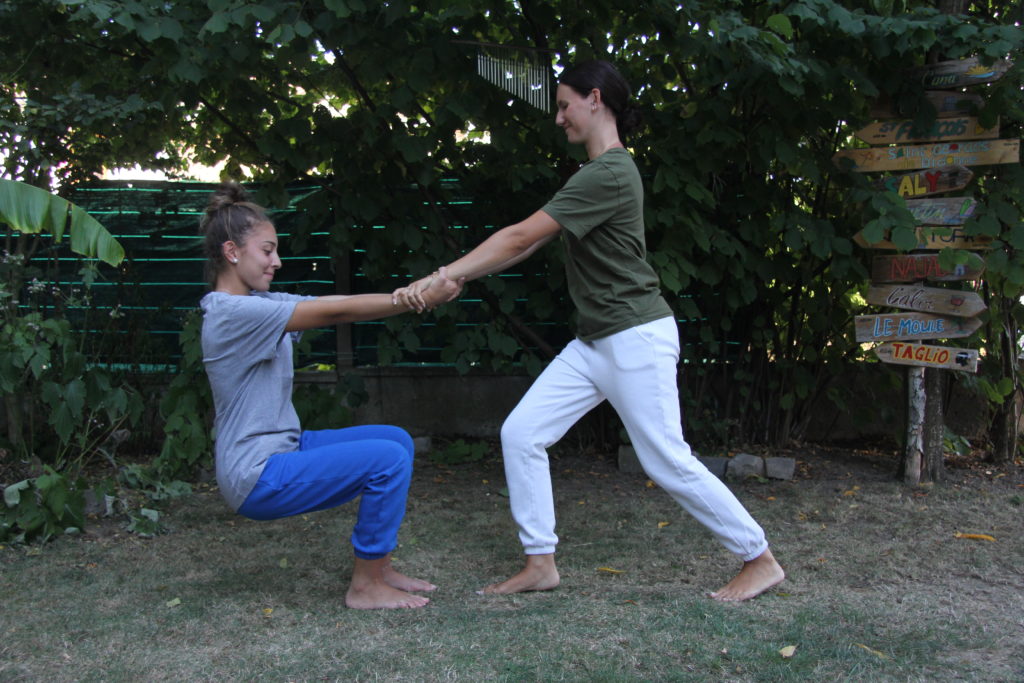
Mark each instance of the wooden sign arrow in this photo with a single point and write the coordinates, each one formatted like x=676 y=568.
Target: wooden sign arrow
x=927 y=299
x=927 y=181
x=932 y=239
x=903 y=353
x=945 y=103
x=958 y=73
x=914 y=267
x=941 y=210
x=954 y=128
x=909 y=157
x=896 y=326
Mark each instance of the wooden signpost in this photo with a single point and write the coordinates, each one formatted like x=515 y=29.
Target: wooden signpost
x=913 y=267
x=945 y=102
x=959 y=73
x=925 y=355
x=932 y=239
x=927 y=181
x=953 y=128
x=941 y=210
x=927 y=299
x=898 y=326
x=909 y=157
x=955 y=140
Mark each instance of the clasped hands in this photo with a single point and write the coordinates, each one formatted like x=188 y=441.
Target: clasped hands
x=429 y=292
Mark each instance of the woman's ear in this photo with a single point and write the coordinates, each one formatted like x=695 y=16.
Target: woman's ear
x=230 y=251
x=597 y=98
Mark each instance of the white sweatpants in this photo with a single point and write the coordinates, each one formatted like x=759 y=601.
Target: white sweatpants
x=635 y=370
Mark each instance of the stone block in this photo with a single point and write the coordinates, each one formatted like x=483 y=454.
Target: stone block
x=716 y=466
x=779 y=468
x=628 y=462
x=745 y=465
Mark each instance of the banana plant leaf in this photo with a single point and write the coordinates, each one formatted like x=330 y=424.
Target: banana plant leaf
x=29 y=209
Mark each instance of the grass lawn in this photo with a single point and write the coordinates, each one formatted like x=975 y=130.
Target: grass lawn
x=880 y=587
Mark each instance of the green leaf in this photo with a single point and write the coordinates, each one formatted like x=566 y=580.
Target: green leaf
x=30 y=209
x=339 y=7
x=781 y=24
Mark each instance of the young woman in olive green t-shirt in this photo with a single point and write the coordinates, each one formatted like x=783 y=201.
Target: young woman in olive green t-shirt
x=626 y=350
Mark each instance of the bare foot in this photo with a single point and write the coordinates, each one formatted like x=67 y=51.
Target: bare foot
x=756 y=576
x=379 y=595
x=539 y=574
x=402 y=582
x=372 y=586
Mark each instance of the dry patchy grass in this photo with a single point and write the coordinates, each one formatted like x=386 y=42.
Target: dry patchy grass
x=879 y=588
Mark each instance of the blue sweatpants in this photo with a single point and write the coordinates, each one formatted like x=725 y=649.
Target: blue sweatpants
x=332 y=467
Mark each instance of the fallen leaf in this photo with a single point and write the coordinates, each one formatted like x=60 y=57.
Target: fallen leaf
x=283 y=564
x=650 y=484
x=609 y=570
x=788 y=651
x=976 y=537
x=174 y=603
x=770 y=498
x=881 y=655
x=662 y=525
x=267 y=611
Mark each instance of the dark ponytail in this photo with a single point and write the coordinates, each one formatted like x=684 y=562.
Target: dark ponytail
x=229 y=217
x=615 y=92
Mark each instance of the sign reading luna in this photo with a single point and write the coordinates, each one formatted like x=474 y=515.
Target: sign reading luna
x=959 y=73
x=909 y=157
x=894 y=326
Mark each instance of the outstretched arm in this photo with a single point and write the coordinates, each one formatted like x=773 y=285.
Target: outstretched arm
x=505 y=248
x=340 y=308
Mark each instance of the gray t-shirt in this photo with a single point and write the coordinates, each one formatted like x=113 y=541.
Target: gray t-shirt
x=248 y=358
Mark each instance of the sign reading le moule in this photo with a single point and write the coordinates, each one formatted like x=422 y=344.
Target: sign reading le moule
x=895 y=326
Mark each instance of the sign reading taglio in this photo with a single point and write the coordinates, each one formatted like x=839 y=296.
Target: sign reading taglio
x=906 y=353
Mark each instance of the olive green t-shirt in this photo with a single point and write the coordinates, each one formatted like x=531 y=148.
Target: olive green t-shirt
x=601 y=208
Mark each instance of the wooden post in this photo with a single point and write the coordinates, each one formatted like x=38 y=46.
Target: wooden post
x=344 y=355
x=923 y=461
x=913 y=456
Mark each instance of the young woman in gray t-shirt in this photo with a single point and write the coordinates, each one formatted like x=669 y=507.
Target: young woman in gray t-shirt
x=267 y=466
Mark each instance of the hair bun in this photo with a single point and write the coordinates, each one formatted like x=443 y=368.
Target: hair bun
x=227 y=194
x=630 y=119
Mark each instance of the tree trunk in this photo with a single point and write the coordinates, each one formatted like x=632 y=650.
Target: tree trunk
x=1003 y=431
x=932 y=467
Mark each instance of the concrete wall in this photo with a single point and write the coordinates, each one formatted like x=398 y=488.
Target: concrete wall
x=440 y=402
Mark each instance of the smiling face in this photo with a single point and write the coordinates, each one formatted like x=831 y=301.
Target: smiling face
x=575 y=113
x=253 y=263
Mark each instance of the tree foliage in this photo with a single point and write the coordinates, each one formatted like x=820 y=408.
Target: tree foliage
x=750 y=222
